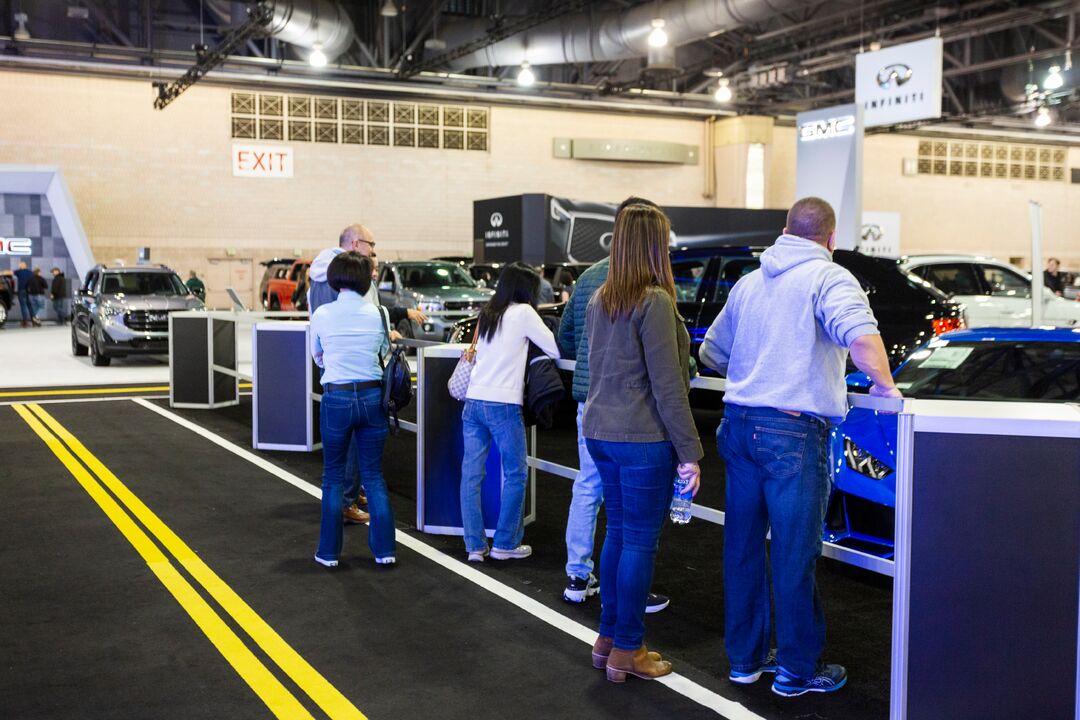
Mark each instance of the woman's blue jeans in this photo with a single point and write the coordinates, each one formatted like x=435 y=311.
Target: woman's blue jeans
x=777 y=472
x=637 y=480
x=504 y=423
x=357 y=416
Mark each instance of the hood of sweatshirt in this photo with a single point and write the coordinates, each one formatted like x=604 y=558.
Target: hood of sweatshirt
x=790 y=251
x=317 y=271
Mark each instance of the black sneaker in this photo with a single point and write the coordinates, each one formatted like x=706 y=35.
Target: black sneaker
x=578 y=590
x=655 y=603
x=829 y=678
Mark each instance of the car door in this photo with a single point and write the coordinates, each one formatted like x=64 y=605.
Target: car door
x=1011 y=287
x=695 y=276
x=388 y=287
x=84 y=303
x=962 y=282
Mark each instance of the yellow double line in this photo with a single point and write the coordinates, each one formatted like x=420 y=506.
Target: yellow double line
x=94 y=477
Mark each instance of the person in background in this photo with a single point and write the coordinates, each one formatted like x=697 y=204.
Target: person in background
x=355 y=238
x=546 y=296
x=493 y=410
x=637 y=427
x=196 y=286
x=58 y=293
x=23 y=278
x=348 y=340
x=587 y=494
x=37 y=288
x=782 y=340
x=300 y=295
x=1053 y=278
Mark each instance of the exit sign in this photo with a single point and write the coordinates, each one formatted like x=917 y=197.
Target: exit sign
x=262 y=161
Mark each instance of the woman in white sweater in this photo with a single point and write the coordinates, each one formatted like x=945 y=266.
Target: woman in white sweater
x=493 y=410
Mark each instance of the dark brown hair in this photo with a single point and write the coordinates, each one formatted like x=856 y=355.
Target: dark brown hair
x=639 y=259
x=811 y=218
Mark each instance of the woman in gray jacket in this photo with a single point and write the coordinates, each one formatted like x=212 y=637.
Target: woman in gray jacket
x=638 y=428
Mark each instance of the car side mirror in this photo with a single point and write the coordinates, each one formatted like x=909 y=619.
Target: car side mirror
x=386 y=286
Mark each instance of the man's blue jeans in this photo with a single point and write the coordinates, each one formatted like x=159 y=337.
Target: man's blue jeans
x=26 y=308
x=637 y=479
x=357 y=417
x=777 y=471
x=504 y=423
x=585 y=503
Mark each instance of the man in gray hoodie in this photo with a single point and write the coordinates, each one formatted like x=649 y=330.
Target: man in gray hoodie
x=782 y=341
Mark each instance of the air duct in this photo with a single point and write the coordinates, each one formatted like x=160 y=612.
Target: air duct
x=616 y=35
x=304 y=23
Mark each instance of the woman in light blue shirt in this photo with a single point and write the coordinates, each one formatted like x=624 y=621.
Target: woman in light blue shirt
x=348 y=340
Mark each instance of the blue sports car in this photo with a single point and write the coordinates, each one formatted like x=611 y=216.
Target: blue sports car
x=1019 y=364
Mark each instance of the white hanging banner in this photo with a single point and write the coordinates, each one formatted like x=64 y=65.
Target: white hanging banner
x=899 y=84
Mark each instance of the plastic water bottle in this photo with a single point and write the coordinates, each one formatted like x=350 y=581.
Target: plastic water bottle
x=680 y=502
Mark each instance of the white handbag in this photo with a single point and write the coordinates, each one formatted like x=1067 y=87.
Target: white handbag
x=459 y=380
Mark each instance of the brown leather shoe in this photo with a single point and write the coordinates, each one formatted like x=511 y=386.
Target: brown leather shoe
x=354 y=514
x=639 y=663
x=361 y=500
x=601 y=649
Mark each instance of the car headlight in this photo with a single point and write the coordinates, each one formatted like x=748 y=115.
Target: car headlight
x=863 y=462
x=430 y=306
x=110 y=311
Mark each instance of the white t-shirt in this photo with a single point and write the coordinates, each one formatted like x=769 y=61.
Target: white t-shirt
x=499 y=374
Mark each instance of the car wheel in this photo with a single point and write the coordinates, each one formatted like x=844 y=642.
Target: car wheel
x=77 y=348
x=97 y=358
x=275 y=304
x=3 y=314
x=405 y=327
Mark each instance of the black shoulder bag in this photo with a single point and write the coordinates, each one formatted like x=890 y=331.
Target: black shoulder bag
x=397 y=376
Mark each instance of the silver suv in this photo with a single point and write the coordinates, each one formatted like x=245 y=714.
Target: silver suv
x=442 y=290
x=124 y=311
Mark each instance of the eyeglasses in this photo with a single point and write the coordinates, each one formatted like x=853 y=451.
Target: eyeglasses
x=366 y=242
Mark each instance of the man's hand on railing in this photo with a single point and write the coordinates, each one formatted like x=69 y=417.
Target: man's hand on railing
x=395 y=336
x=417 y=316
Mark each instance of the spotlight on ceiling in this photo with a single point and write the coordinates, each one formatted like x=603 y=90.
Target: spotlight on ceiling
x=526 y=77
x=1042 y=118
x=317 y=58
x=658 y=38
x=389 y=9
x=723 y=91
x=1053 y=80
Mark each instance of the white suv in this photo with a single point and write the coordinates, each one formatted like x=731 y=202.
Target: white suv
x=994 y=293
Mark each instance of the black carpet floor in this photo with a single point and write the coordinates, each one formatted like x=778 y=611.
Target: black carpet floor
x=90 y=633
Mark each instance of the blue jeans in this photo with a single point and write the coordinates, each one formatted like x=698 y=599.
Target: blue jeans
x=60 y=308
x=502 y=422
x=585 y=503
x=777 y=469
x=637 y=494
x=26 y=308
x=352 y=477
x=354 y=417
x=38 y=303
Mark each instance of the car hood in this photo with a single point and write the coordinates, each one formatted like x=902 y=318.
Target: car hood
x=453 y=294
x=128 y=303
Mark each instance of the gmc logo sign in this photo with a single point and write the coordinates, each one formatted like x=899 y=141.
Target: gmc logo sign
x=827 y=129
x=15 y=246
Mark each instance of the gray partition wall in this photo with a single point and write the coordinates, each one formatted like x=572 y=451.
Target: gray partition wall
x=987 y=593
x=285 y=413
x=202 y=361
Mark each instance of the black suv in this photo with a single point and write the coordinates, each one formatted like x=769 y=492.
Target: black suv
x=123 y=311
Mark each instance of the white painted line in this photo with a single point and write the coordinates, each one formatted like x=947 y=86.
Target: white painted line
x=82 y=400
x=684 y=686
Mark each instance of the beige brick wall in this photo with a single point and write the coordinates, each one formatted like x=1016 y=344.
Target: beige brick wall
x=164 y=179
x=941 y=214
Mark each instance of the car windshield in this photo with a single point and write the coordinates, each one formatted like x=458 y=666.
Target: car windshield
x=137 y=283
x=429 y=275
x=1023 y=371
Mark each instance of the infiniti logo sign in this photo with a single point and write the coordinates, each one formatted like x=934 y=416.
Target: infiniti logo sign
x=893 y=76
x=496 y=219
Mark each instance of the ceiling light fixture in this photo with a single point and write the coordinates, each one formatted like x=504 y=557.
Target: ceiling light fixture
x=1042 y=118
x=526 y=77
x=658 y=38
x=389 y=9
x=723 y=91
x=317 y=58
x=1053 y=80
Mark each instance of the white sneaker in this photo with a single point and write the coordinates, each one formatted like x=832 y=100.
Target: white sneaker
x=478 y=555
x=325 y=563
x=521 y=551
x=388 y=560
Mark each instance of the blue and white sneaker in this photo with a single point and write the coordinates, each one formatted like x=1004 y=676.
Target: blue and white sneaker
x=746 y=677
x=829 y=678
x=578 y=590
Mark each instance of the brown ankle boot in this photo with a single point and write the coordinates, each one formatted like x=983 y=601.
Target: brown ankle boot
x=600 y=651
x=640 y=663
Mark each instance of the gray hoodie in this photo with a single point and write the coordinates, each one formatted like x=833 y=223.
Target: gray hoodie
x=782 y=338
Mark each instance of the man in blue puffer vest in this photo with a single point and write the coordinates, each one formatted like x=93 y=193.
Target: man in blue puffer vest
x=588 y=493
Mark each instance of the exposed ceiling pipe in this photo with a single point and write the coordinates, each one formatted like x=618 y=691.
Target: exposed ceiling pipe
x=615 y=35
x=307 y=23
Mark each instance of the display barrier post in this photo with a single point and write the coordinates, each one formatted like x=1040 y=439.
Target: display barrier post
x=202 y=361
x=284 y=388
x=988 y=570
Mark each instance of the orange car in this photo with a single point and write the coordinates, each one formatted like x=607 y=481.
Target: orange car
x=281 y=286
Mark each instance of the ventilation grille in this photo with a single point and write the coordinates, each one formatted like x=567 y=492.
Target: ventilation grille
x=998 y=160
x=350 y=121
